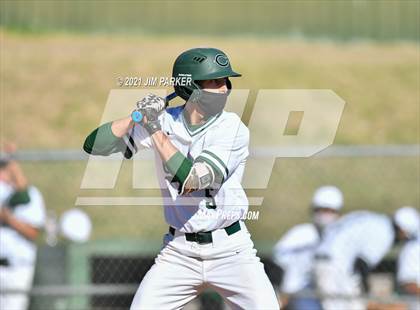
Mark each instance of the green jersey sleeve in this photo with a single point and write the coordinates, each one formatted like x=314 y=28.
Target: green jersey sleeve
x=103 y=142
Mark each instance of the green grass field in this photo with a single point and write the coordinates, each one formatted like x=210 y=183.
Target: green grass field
x=62 y=81
x=54 y=88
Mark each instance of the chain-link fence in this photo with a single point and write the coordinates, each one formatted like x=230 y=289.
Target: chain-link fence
x=105 y=272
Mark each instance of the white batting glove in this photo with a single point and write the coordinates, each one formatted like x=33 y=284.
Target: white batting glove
x=151 y=102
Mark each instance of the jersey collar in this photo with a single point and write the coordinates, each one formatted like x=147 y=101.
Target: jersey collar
x=196 y=129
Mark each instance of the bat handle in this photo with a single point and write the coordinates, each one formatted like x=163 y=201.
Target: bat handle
x=170 y=97
x=136 y=116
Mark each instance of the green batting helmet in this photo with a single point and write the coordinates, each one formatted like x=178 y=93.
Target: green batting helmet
x=201 y=64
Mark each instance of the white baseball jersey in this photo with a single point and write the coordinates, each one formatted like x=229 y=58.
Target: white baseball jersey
x=294 y=253
x=362 y=234
x=222 y=142
x=409 y=263
x=229 y=264
x=13 y=246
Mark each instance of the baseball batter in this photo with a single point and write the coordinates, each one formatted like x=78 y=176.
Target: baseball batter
x=200 y=151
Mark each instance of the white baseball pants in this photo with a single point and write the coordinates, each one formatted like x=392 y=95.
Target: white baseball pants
x=229 y=265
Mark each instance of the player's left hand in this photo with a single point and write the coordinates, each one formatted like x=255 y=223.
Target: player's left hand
x=151 y=102
x=151 y=120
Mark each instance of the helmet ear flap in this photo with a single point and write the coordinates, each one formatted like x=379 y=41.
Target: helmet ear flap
x=188 y=93
x=228 y=83
x=182 y=92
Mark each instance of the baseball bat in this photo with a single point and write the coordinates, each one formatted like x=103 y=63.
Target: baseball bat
x=137 y=116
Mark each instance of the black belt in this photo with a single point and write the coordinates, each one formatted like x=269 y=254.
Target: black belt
x=205 y=237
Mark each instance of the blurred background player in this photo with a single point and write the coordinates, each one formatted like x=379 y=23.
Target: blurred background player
x=408 y=273
x=22 y=215
x=363 y=237
x=294 y=253
x=408 y=266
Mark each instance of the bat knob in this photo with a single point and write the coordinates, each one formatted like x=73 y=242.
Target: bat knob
x=136 y=116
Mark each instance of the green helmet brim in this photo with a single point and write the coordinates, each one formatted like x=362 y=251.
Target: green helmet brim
x=218 y=75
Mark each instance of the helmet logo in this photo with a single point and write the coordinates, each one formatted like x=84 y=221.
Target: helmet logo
x=222 y=60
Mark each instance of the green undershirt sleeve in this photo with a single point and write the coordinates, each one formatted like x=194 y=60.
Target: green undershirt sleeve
x=102 y=141
x=19 y=197
x=179 y=166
